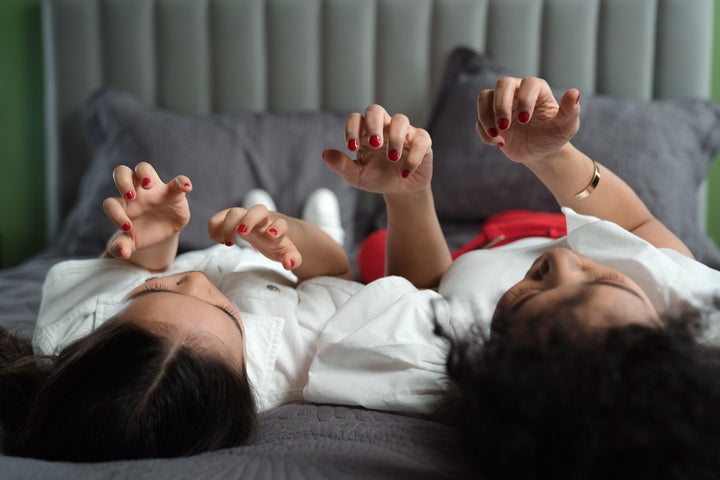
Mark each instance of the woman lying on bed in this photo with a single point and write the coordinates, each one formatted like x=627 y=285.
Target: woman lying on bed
x=594 y=366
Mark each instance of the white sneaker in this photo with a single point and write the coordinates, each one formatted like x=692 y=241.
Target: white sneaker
x=259 y=196
x=323 y=209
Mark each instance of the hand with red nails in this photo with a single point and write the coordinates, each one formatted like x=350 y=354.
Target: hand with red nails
x=298 y=245
x=266 y=231
x=149 y=215
x=522 y=117
x=396 y=159
x=392 y=156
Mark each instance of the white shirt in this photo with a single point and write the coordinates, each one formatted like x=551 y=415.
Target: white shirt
x=383 y=330
x=478 y=279
x=328 y=340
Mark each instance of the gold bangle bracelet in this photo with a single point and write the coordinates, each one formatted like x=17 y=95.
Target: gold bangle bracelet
x=593 y=184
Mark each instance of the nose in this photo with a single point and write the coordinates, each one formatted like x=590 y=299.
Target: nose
x=556 y=267
x=193 y=283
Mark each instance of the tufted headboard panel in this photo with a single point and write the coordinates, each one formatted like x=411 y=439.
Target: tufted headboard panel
x=203 y=56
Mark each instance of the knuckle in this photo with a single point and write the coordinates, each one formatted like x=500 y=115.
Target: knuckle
x=400 y=118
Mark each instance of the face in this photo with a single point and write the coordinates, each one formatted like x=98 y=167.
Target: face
x=185 y=304
x=600 y=296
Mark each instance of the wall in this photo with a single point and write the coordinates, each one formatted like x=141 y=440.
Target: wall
x=714 y=186
x=22 y=224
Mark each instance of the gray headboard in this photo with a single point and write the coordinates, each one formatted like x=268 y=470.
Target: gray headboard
x=201 y=56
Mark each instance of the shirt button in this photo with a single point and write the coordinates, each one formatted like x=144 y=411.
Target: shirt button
x=273 y=288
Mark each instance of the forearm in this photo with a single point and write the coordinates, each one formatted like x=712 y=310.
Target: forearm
x=321 y=255
x=156 y=258
x=569 y=171
x=415 y=247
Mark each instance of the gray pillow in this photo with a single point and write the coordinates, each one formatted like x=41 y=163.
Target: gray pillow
x=224 y=156
x=662 y=149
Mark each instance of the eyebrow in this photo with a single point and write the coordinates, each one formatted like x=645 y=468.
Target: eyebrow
x=519 y=304
x=162 y=290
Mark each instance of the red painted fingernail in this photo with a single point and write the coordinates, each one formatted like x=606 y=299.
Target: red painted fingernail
x=292 y=263
x=187 y=184
x=273 y=231
x=577 y=100
x=405 y=173
x=375 y=141
x=393 y=155
x=503 y=124
x=126 y=226
x=242 y=228
x=523 y=117
x=501 y=144
x=146 y=182
x=493 y=132
x=129 y=195
x=229 y=244
x=352 y=144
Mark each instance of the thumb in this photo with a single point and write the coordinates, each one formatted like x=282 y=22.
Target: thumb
x=122 y=247
x=570 y=105
x=569 y=112
x=180 y=184
x=341 y=163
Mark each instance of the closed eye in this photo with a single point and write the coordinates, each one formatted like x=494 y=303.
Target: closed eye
x=609 y=283
x=149 y=289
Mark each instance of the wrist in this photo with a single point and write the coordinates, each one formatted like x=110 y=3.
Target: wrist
x=553 y=161
x=408 y=198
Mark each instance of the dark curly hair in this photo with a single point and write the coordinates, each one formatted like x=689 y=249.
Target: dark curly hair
x=633 y=402
x=120 y=392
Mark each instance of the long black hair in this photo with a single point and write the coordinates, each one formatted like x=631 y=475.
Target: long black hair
x=121 y=392
x=634 y=402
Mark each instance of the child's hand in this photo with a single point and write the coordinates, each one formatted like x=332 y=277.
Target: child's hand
x=148 y=212
x=523 y=118
x=265 y=231
x=392 y=155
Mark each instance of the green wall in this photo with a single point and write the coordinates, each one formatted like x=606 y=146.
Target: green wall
x=714 y=187
x=22 y=222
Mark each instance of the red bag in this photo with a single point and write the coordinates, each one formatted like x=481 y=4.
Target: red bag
x=499 y=229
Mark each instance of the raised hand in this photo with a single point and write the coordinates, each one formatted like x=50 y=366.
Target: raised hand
x=522 y=117
x=148 y=211
x=392 y=155
x=264 y=230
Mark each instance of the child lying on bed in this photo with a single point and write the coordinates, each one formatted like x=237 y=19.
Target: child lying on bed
x=149 y=355
x=585 y=372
